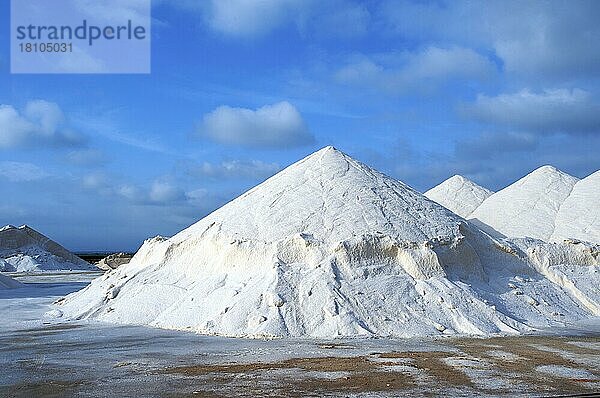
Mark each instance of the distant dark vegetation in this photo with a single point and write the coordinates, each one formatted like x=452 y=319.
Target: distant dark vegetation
x=94 y=257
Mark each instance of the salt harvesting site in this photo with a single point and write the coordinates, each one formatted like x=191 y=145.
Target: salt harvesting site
x=362 y=286
x=293 y=198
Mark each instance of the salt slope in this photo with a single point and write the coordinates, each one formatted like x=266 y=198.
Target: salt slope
x=459 y=194
x=23 y=249
x=329 y=247
x=528 y=207
x=579 y=214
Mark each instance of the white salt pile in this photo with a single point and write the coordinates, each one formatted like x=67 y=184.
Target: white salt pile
x=528 y=207
x=23 y=249
x=330 y=247
x=459 y=194
x=579 y=214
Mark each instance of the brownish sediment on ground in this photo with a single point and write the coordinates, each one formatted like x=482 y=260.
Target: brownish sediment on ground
x=513 y=359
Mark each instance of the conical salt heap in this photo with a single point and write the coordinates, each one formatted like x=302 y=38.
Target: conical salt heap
x=528 y=207
x=330 y=247
x=459 y=194
x=579 y=214
x=25 y=249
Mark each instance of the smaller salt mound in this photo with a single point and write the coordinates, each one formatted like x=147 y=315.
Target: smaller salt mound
x=459 y=195
x=579 y=215
x=23 y=249
x=9 y=283
x=528 y=207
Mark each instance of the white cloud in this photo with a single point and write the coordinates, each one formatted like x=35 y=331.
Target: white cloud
x=559 y=110
x=255 y=18
x=41 y=123
x=162 y=192
x=93 y=181
x=15 y=128
x=539 y=38
x=98 y=183
x=159 y=192
x=425 y=69
x=277 y=125
x=130 y=192
x=19 y=171
x=254 y=169
x=249 y=17
x=46 y=115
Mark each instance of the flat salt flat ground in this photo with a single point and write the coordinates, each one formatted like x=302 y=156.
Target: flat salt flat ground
x=40 y=358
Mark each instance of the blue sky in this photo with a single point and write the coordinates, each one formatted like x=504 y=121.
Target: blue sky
x=240 y=89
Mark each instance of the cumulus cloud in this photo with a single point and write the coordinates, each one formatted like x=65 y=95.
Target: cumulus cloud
x=159 y=192
x=98 y=182
x=398 y=72
x=251 y=19
x=253 y=169
x=546 y=39
x=41 y=123
x=560 y=110
x=130 y=192
x=277 y=125
x=20 y=171
x=163 y=191
x=244 y=18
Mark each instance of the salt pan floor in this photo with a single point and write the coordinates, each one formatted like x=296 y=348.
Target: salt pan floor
x=39 y=358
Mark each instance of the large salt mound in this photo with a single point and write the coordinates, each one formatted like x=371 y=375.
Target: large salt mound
x=528 y=207
x=23 y=249
x=459 y=194
x=579 y=215
x=329 y=247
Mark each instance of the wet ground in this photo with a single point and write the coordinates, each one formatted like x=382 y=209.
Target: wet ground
x=90 y=359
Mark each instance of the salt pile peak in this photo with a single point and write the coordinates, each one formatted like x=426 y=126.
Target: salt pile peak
x=25 y=249
x=327 y=248
x=331 y=197
x=528 y=207
x=459 y=194
x=579 y=214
